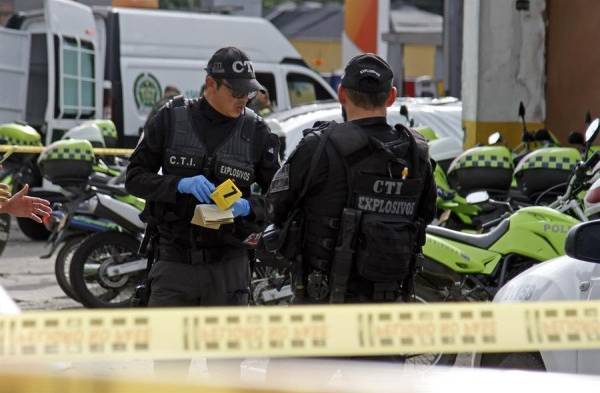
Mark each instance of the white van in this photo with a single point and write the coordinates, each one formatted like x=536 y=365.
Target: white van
x=69 y=62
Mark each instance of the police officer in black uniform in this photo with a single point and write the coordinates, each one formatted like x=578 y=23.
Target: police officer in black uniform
x=367 y=192
x=198 y=144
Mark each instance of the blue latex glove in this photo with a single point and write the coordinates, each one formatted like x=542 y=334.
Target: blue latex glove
x=241 y=207
x=198 y=186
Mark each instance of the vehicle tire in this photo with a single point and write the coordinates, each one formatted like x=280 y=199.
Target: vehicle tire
x=4 y=231
x=32 y=229
x=530 y=361
x=63 y=264
x=93 y=256
x=429 y=359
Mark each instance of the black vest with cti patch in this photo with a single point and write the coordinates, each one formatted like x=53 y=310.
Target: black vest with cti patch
x=383 y=180
x=186 y=155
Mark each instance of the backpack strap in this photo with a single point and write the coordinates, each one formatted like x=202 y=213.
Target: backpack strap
x=325 y=132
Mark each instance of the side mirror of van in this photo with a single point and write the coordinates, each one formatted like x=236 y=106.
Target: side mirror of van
x=477 y=197
x=582 y=242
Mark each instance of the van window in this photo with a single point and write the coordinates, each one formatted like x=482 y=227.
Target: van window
x=267 y=79
x=77 y=97
x=305 y=90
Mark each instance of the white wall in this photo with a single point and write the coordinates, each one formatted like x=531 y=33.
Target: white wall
x=503 y=61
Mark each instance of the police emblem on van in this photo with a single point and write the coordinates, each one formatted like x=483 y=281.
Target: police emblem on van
x=147 y=91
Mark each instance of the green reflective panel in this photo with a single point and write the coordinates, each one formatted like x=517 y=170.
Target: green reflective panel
x=70 y=62
x=87 y=65
x=87 y=94
x=70 y=92
x=69 y=111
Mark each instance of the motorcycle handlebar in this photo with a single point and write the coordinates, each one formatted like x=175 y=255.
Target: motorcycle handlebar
x=593 y=160
x=494 y=222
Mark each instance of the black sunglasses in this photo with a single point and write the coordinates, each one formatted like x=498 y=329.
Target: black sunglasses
x=239 y=94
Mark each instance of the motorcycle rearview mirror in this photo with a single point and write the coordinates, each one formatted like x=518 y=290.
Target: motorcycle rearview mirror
x=582 y=242
x=494 y=138
x=525 y=134
x=478 y=197
x=592 y=131
x=522 y=110
x=542 y=135
x=404 y=112
x=576 y=138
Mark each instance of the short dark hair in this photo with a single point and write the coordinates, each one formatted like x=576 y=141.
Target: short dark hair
x=171 y=91
x=367 y=100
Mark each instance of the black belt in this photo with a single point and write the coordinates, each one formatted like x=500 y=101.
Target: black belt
x=190 y=256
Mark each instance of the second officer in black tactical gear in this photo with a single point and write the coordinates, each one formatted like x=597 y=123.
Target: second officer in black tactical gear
x=363 y=192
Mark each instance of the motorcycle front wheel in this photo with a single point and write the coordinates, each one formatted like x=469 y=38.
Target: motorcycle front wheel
x=62 y=264
x=88 y=272
x=429 y=359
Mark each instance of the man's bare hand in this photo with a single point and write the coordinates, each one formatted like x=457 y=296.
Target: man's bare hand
x=21 y=205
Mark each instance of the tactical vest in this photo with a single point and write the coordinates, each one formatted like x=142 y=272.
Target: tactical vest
x=186 y=155
x=382 y=180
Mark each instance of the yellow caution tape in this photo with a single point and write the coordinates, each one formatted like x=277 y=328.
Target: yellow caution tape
x=36 y=383
x=226 y=194
x=344 y=330
x=100 y=151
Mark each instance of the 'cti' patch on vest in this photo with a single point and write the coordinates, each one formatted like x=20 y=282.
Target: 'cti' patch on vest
x=387 y=196
x=183 y=161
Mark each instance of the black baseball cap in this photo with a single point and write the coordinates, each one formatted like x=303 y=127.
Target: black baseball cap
x=368 y=73
x=234 y=66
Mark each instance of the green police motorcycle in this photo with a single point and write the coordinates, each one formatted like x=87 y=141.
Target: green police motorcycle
x=464 y=267
x=20 y=169
x=98 y=228
x=535 y=172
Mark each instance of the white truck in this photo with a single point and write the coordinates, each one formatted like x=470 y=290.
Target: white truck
x=68 y=62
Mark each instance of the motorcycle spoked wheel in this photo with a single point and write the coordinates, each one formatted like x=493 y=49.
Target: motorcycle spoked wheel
x=4 y=231
x=62 y=264
x=87 y=272
x=428 y=359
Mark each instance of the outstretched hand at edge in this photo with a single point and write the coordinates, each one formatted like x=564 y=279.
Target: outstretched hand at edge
x=21 y=205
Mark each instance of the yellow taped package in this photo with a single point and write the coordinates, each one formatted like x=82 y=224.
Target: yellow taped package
x=226 y=194
x=344 y=330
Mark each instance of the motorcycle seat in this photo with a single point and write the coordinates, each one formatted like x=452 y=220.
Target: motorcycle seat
x=484 y=240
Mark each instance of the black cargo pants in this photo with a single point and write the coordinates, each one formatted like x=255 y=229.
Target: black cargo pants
x=215 y=277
